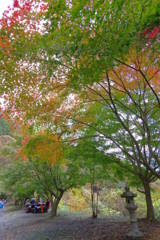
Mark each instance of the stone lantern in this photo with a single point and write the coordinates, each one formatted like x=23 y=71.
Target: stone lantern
x=131 y=207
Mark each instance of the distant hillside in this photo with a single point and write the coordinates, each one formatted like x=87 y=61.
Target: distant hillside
x=5 y=140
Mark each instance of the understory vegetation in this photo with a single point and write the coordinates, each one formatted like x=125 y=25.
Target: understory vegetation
x=110 y=202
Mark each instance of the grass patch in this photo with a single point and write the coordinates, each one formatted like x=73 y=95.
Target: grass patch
x=13 y=208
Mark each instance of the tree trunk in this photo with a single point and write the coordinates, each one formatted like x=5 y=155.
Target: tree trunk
x=92 y=200
x=94 y=206
x=150 y=208
x=16 y=202
x=23 y=202
x=54 y=204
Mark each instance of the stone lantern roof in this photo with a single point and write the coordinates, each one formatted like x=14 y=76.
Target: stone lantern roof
x=128 y=194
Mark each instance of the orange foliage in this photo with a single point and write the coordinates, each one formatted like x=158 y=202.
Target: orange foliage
x=46 y=147
x=134 y=72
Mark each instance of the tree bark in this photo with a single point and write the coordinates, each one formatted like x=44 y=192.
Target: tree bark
x=16 y=202
x=54 y=204
x=23 y=202
x=92 y=200
x=150 y=208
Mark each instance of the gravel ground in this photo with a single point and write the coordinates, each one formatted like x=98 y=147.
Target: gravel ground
x=19 y=225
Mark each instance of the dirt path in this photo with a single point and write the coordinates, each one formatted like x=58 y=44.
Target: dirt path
x=18 y=225
x=1 y=224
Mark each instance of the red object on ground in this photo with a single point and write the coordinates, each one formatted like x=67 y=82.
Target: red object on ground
x=41 y=208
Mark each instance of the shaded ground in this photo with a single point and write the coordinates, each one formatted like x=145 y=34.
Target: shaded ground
x=79 y=226
x=1 y=225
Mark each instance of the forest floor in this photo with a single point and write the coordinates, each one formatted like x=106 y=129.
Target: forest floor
x=18 y=225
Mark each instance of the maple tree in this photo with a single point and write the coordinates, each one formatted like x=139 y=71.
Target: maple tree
x=50 y=169
x=87 y=32
x=40 y=167
x=127 y=119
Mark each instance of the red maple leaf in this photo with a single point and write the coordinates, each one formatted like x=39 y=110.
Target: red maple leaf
x=154 y=32
x=27 y=6
x=16 y=4
x=16 y=15
x=144 y=32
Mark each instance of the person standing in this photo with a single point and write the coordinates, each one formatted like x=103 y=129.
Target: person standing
x=27 y=203
x=2 y=203
x=47 y=204
x=32 y=201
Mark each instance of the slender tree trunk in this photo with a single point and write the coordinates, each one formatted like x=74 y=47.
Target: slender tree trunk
x=94 y=206
x=16 y=202
x=94 y=214
x=97 y=210
x=23 y=202
x=54 y=204
x=150 y=208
